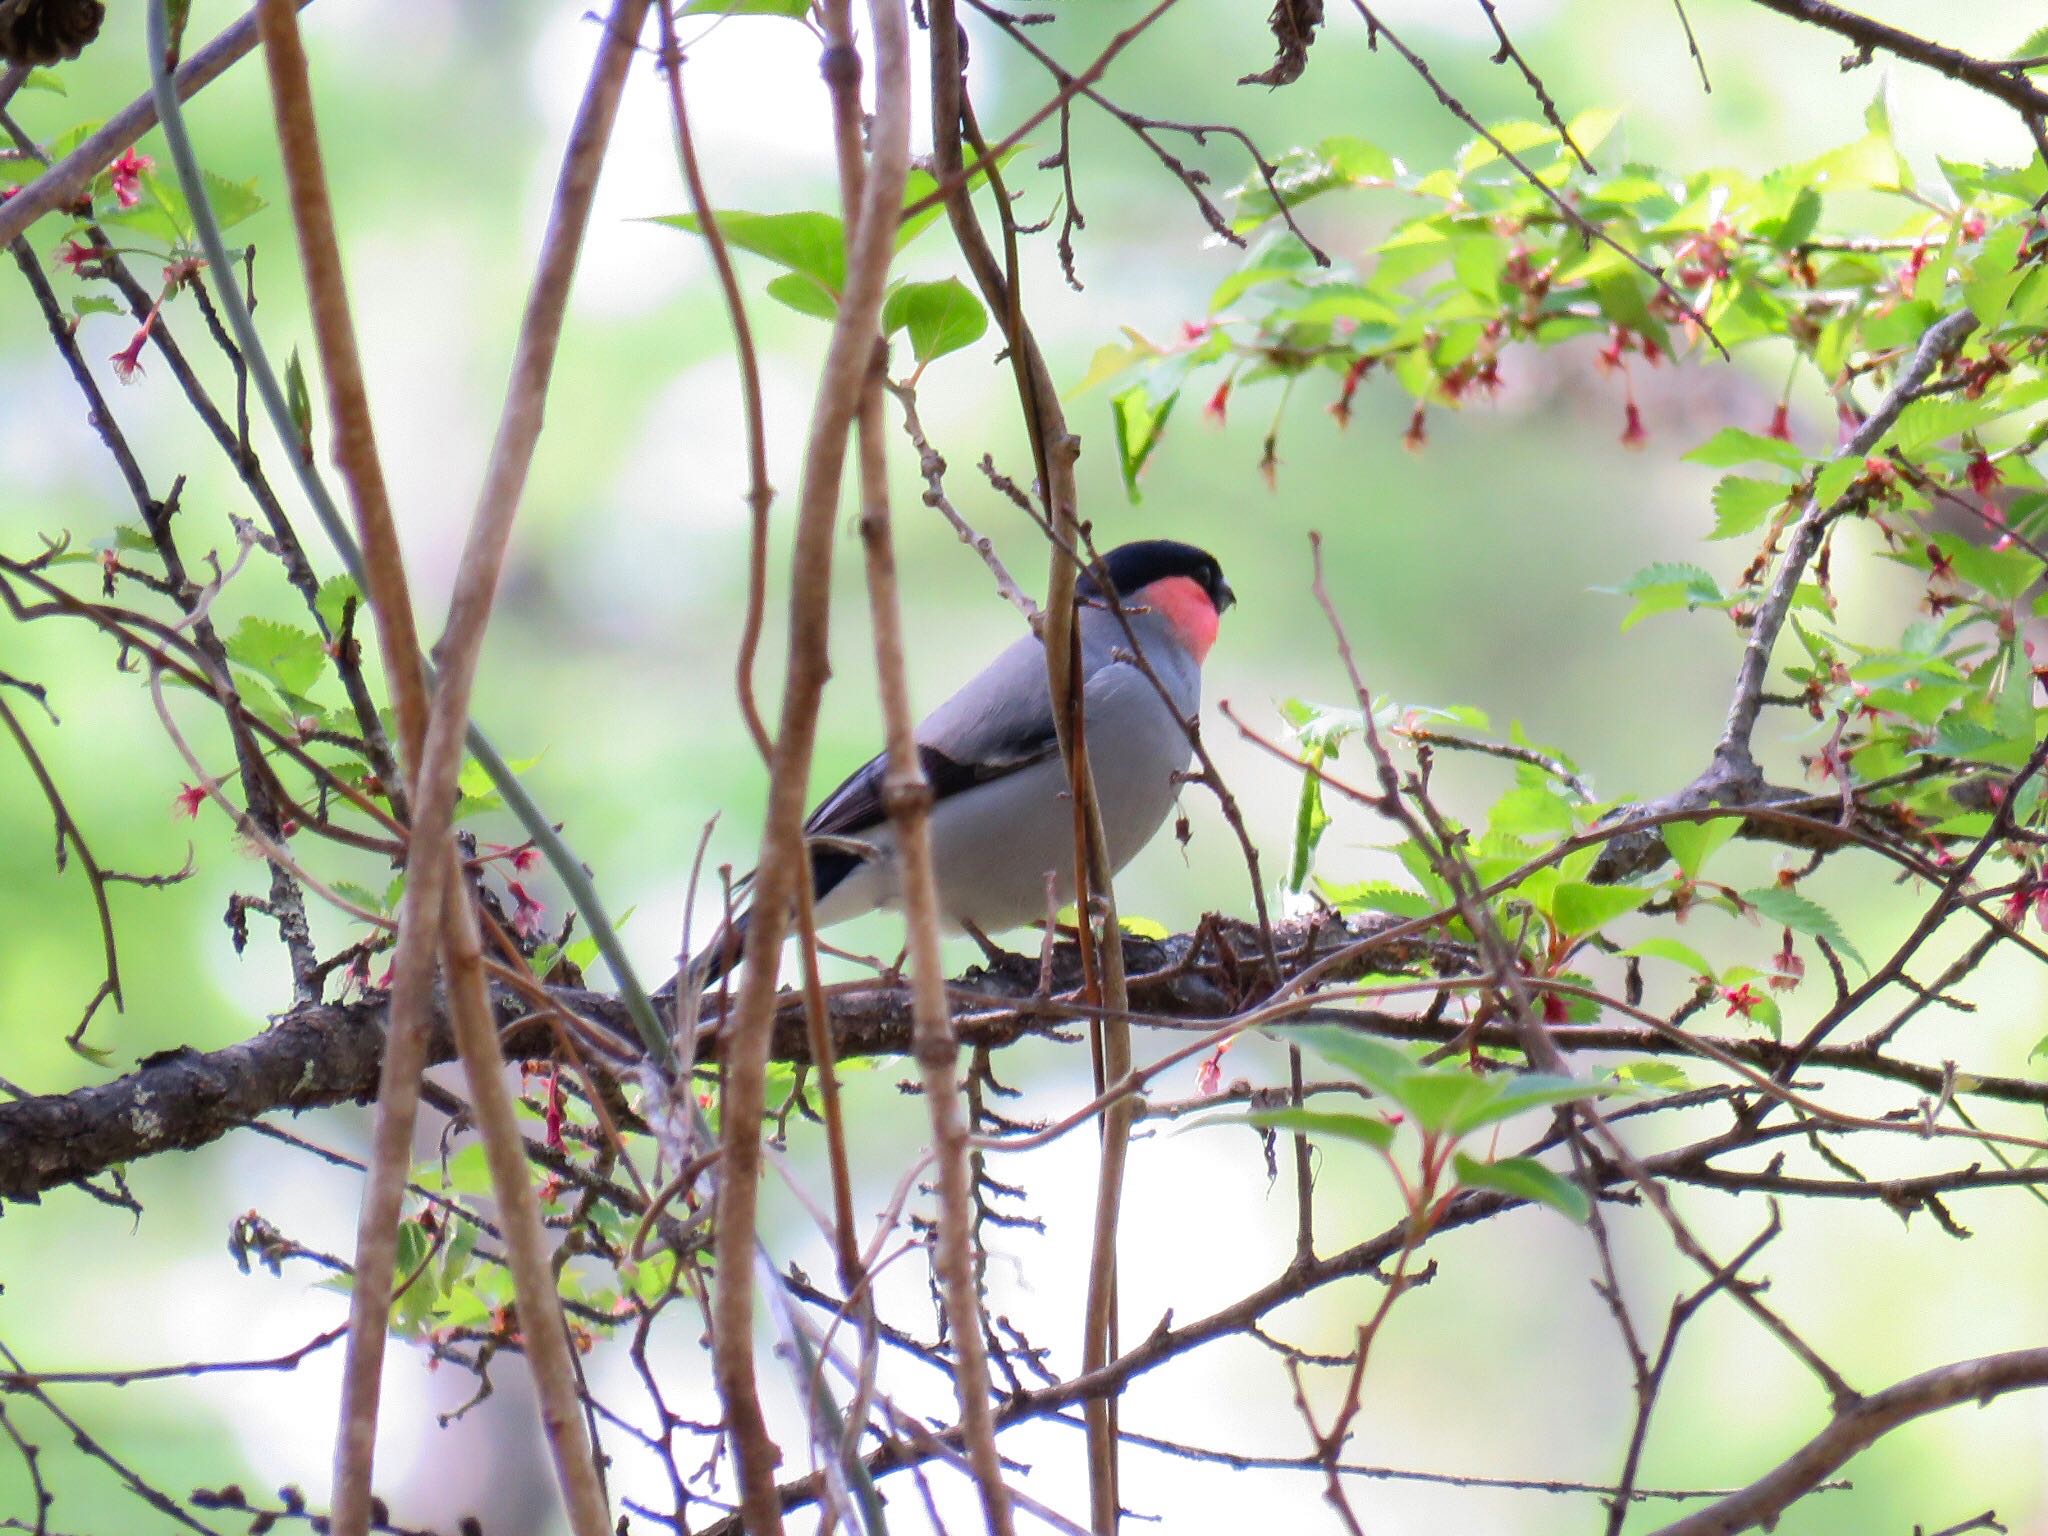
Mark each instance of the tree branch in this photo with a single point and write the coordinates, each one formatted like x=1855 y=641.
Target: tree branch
x=1858 y=1426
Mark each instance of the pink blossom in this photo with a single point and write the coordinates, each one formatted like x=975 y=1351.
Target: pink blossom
x=127 y=175
x=526 y=910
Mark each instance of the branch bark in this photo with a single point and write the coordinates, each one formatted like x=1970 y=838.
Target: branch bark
x=783 y=860
x=1856 y=1428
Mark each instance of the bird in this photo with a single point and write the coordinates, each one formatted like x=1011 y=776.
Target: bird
x=1001 y=816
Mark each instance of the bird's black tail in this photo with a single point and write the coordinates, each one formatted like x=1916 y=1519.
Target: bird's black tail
x=722 y=955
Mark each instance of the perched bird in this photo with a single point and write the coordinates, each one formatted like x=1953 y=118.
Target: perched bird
x=1001 y=818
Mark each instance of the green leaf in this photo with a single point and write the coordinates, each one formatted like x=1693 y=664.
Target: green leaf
x=1363 y=1129
x=1579 y=907
x=1377 y=896
x=1138 y=425
x=941 y=317
x=921 y=184
x=333 y=597
x=794 y=9
x=1787 y=908
x=1444 y=1098
x=1310 y=822
x=811 y=243
x=233 y=201
x=291 y=658
x=299 y=401
x=804 y=294
x=1692 y=843
x=1741 y=504
x=1732 y=446
x=1526 y=1178
x=1665 y=586
x=1380 y=1066
x=1670 y=949
x=45 y=80
x=1531 y=811
x=1507 y=1097
x=2004 y=574
x=1653 y=1074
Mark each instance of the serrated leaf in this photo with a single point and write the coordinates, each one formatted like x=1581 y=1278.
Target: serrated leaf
x=1732 y=446
x=333 y=597
x=1526 y=1178
x=1787 y=908
x=1741 y=504
x=941 y=317
x=1376 y=896
x=287 y=656
x=1660 y=1075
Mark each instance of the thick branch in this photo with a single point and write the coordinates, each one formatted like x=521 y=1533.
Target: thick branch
x=1857 y=1427
x=1986 y=75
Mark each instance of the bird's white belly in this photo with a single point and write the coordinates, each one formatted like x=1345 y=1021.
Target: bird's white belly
x=995 y=844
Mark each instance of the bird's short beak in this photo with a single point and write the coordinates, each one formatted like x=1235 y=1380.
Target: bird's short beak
x=1224 y=596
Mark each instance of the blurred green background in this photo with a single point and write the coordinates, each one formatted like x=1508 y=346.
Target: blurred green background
x=1464 y=572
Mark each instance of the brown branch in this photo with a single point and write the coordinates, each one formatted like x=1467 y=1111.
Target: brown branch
x=908 y=795
x=1994 y=77
x=372 y=1295
x=783 y=860
x=1856 y=1427
x=760 y=494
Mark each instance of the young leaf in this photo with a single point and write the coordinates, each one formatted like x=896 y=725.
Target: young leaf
x=1375 y=1063
x=1732 y=446
x=811 y=243
x=1741 y=504
x=941 y=317
x=1363 y=1129
x=1789 y=909
x=1138 y=425
x=333 y=596
x=804 y=294
x=1692 y=843
x=1526 y=1178
x=291 y=658
x=794 y=9
x=1659 y=947
x=299 y=401
x=1579 y=907
x=1509 y=1096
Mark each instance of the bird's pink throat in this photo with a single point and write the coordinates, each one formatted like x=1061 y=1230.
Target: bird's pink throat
x=1187 y=607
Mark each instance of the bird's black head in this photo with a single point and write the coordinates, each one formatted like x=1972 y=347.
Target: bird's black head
x=1132 y=566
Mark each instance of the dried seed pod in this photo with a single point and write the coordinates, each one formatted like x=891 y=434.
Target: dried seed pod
x=47 y=31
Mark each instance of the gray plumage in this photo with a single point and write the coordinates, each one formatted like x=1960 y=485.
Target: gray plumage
x=1001 y=818
x=1002 y=822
